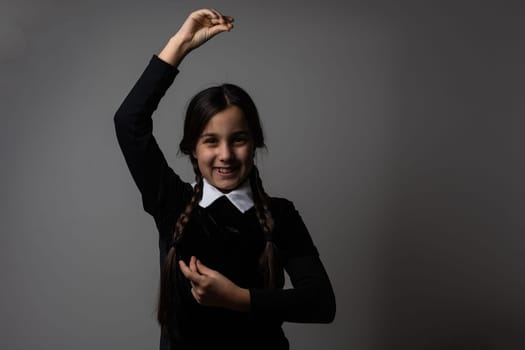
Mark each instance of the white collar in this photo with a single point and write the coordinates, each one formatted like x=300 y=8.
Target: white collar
x=241 y=197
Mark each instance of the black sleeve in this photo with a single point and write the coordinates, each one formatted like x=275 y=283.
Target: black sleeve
x=155 y=179
x=312 y=298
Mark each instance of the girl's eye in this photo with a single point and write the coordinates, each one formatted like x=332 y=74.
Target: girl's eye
x=240 y=139
x=210 y=141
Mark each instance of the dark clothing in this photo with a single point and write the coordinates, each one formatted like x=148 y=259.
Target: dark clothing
x=223 y=238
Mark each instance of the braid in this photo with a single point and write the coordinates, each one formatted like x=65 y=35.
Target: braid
x=197 y=195
x=167 y=280
x=268 y=261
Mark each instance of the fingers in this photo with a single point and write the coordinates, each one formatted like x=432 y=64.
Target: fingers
x=193 y=264
x=219 y=29
x=191 y=275
x=196 y=296
x=223 y=23
x=205 y=13
x=220 y=24
x=214 y=16
x=184 y=268
x=216 y=13
x=196 y=279
x=223 y=19
x=208 y=287
x=195 y=270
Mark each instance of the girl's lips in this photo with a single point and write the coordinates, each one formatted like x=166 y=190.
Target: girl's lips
x=225 y=171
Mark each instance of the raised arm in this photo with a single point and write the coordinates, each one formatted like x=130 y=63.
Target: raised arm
x=133 y=123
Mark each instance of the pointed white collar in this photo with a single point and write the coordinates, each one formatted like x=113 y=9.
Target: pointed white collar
x=241 y=197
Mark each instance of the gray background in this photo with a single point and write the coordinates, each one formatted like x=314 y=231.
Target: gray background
x=395 y=127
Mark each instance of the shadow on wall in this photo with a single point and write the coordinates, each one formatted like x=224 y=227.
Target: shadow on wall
x=453 y=244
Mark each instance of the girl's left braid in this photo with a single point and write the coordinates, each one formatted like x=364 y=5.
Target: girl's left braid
x=269 y=259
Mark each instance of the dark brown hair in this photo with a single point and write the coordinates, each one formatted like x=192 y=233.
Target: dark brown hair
x=201 y=109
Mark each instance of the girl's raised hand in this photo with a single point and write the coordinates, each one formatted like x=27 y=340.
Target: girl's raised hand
x=201 y=26
x=211 y=288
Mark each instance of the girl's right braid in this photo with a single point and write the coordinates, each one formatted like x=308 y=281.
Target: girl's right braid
x=167 y=279
x=195 y=198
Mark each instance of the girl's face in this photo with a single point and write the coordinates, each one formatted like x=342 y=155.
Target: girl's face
x=225 y=149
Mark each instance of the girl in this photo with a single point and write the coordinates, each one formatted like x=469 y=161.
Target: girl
x=223 y=242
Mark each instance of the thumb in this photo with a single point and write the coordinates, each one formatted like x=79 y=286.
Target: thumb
x=219 y=28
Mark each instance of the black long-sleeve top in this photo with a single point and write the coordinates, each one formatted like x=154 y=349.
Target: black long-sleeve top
x=223 y=238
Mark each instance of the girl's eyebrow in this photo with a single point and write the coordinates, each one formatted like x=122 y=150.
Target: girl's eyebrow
x=240 y=132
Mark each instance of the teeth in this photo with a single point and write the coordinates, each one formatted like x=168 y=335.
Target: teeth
x=225 y=170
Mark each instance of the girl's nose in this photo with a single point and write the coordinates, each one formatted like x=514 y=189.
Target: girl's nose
x=225 y=153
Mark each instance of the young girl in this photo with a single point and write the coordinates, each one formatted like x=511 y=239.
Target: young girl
x=223 y=241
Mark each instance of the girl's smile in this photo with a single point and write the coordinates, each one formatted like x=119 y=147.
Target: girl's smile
x=226 y=171
x=225 y=149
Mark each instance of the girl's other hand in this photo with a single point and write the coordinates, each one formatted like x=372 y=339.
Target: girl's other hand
x=211 y=288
